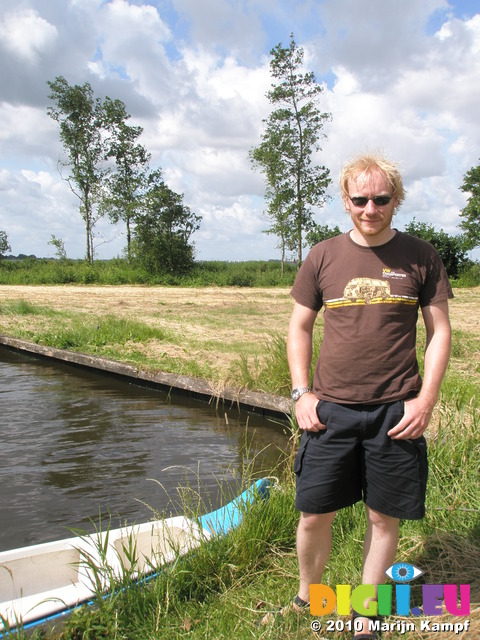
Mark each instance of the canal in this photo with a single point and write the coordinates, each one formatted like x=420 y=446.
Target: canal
x=80 y=447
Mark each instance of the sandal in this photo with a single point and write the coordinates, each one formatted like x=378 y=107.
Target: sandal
x=299 y=603
x=295 y=604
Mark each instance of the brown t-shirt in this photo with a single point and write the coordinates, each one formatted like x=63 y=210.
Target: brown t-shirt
x=370 y=297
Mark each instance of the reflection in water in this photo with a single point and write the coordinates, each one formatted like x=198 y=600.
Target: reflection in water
x=76 y=446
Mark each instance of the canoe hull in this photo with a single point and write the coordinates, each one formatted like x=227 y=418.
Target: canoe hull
x=43 y=581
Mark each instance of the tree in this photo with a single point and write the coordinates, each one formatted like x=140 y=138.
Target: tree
x=292 y=135
x=4 y=246
x=81 y=118
x=321 y=232
x=452 y=249
x=267 y=156
x=124 y=186
x=471 y=212
x=59 y=245
x=163 y=230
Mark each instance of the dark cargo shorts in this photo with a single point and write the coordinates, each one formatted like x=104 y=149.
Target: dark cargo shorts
x=354 y=459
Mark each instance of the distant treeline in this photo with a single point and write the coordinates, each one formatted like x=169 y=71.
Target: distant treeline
x=21 y=256
x=254 y=273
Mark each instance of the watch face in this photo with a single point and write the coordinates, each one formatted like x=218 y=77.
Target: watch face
x=298 y=393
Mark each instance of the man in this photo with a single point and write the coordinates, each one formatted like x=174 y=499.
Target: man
x=364 y=417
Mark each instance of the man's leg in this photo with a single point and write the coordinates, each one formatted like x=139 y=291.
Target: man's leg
x=314 y=539
x=379 y=549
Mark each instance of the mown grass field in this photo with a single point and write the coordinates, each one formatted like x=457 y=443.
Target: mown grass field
x=225 y=334
x=236 y=336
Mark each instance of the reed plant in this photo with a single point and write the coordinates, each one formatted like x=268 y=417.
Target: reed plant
x=269 y=371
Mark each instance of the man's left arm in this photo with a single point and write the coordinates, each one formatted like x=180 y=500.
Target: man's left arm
x=418 y=411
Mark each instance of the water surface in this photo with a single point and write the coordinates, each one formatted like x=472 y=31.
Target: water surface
x=77 y=446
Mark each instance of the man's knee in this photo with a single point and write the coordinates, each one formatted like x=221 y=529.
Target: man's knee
x=382 y=521
x=315 y=521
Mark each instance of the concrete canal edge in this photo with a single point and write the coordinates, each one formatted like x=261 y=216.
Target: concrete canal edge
x=229 y=398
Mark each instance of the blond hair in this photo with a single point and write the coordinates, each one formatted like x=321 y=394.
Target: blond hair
x=363 y=165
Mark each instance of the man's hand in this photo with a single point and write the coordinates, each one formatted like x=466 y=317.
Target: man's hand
x=415 y=420
x=306 y=413
x=418 y=411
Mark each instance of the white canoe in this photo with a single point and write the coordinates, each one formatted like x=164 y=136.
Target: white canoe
x=41 y=582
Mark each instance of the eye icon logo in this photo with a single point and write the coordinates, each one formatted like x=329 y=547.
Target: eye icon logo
x=403 y=572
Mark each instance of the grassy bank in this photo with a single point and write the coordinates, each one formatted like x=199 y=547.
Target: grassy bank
x=226 y=588
x=225 y=335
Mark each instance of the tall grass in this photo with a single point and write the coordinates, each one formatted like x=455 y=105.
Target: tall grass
x=102 y=331
x=469 y=277
x=108 y=336
x=23 y=308
x=269 y=373
x=117 y=271
x=82 y=331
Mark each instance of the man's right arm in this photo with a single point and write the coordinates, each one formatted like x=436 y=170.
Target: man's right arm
x=299 y=353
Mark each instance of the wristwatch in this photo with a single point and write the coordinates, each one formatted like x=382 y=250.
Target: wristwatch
x=298 y=393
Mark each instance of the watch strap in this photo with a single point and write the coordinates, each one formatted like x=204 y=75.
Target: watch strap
x=299 y=391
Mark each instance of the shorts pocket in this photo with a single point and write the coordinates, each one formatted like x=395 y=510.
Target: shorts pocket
x=399 y=406
x=321 y=411
x=422 y=461
x=297 y=465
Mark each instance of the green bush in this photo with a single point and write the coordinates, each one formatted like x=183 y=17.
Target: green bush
x=469 y=276
x=119 y=271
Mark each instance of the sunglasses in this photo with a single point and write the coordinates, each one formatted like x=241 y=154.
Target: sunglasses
x=379 y=201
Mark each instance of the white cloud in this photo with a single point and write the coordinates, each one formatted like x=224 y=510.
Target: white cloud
x=26 y=34
x=404 y=77
x=233 y=26
x=376 y=40
x=131 y=39
x=27 y=133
